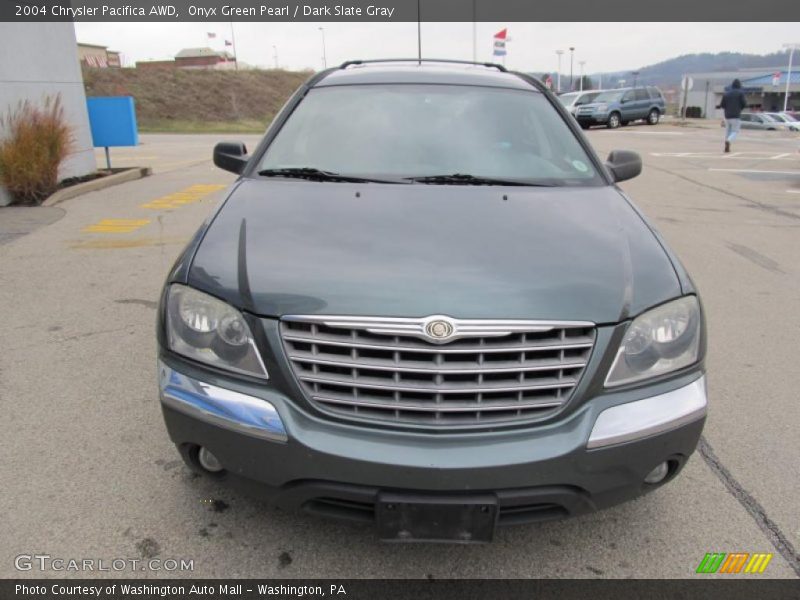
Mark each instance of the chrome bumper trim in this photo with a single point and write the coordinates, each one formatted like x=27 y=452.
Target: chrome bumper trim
x=651 y=416
x=219 y=406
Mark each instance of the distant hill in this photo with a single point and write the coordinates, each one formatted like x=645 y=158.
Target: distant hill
x=198 y=100
x=667 y=74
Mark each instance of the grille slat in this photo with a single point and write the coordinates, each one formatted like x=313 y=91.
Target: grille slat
x=491 y=372
x=502 y=367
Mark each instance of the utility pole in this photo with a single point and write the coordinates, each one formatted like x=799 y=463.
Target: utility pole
x=558 y=74
x=635 y=77
x=275 y=55
x=233 y=43
x=581 y=63
x=324 y=54
x=419 y=31
x=571 y=56
x=474 y=30
x=791 y=48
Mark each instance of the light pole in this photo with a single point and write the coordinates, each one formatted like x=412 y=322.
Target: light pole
x=791 y=48
x=324 y=56
x=275 y=55
x=571 y=56
x=558 y=74
x=635 y=77
x=581 y=63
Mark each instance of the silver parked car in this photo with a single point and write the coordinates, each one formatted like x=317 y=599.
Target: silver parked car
x=761 y=121
x=788 y=122
x=572 y=100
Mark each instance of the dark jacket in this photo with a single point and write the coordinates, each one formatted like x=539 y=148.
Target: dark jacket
x=733 y=102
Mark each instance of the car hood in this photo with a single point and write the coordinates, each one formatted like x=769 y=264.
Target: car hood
x=594 y=105
x=293 y=247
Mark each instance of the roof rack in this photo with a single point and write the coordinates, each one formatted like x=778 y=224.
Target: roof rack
x=488 y=65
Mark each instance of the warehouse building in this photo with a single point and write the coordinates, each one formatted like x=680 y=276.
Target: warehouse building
x=99 y=57
x=193 y=58
x=764 y=88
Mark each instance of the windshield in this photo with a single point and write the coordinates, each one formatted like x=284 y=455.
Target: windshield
x=410 y=131
x=613 y=96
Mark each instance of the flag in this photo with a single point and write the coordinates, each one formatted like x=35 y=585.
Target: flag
x=211 y=36
x=500 y=43
x=228 y=43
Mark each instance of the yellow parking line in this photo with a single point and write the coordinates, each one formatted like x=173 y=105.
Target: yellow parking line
x=190 y=195
x=116 y=226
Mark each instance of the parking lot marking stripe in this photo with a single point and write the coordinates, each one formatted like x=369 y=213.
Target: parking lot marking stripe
x=116 y=225
x=780 y=156
x=757 y=171
x=191 y=194
x=793 y=191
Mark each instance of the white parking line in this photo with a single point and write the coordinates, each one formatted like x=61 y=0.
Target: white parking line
x=793 y=191
x=743 y=155
x=757 y=171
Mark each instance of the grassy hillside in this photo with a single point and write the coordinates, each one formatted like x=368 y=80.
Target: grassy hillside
x=198 y=101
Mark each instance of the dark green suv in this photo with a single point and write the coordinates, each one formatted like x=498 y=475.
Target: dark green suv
x=426 y=304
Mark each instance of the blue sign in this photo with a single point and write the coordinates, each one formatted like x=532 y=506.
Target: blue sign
x=113 y=121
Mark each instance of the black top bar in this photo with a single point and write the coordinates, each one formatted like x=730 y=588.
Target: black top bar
x=489 y=65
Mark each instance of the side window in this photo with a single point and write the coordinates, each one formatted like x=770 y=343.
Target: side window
x=654 y=93
x=641 y=94
x=745 y=117
x=629 y=95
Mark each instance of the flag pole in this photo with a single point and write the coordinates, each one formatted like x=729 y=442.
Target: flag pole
x=419 y=31
x=235 y=56
x=474 y=31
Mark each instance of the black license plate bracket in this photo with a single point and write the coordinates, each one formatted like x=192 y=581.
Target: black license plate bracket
x=412 y=518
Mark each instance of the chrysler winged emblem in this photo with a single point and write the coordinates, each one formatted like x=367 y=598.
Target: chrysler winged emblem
x=439 y=329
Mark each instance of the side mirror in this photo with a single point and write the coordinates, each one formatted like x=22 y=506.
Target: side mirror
x=231 y=156
x=624 y=164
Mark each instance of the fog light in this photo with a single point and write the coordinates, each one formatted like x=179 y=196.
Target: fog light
x=657 y=475
x=208 y=461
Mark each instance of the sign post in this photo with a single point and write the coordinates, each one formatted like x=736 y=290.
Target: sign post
x=113 y=123
x=686 y=84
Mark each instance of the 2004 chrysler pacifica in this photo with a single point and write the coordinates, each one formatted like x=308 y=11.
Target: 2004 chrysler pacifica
x=425 y=303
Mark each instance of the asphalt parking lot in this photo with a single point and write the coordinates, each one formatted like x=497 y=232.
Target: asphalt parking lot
x=89 y=471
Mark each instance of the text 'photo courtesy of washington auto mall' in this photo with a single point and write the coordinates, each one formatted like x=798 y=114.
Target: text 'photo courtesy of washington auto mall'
x=305 y=299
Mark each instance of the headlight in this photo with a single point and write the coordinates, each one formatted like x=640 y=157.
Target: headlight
x=208 y=330
x=661 y=340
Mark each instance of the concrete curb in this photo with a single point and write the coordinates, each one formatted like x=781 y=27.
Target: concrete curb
x=96 y=184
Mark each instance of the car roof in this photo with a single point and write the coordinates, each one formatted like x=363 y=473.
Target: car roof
x=426 y=72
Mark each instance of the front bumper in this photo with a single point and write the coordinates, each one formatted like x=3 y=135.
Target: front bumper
x=277 y=451
x=592 y=118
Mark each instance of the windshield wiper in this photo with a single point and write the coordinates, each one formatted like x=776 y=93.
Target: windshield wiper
x=314 y=174
x=466 y=179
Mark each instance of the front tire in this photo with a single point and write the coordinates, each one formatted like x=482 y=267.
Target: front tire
x=653 y=117
x=613 y=121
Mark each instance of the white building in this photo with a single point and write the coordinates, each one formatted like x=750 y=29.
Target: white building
x=764 y=88
x=40 y=59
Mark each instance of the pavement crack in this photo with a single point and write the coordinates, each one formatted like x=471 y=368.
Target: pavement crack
x=753 y=203
x=751 y=505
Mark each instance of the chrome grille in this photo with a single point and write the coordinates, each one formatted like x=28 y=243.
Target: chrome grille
x=386 y=370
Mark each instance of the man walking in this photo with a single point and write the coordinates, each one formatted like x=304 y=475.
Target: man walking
x=733 y=101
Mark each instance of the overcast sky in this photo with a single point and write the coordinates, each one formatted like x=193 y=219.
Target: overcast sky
x=532 y=46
